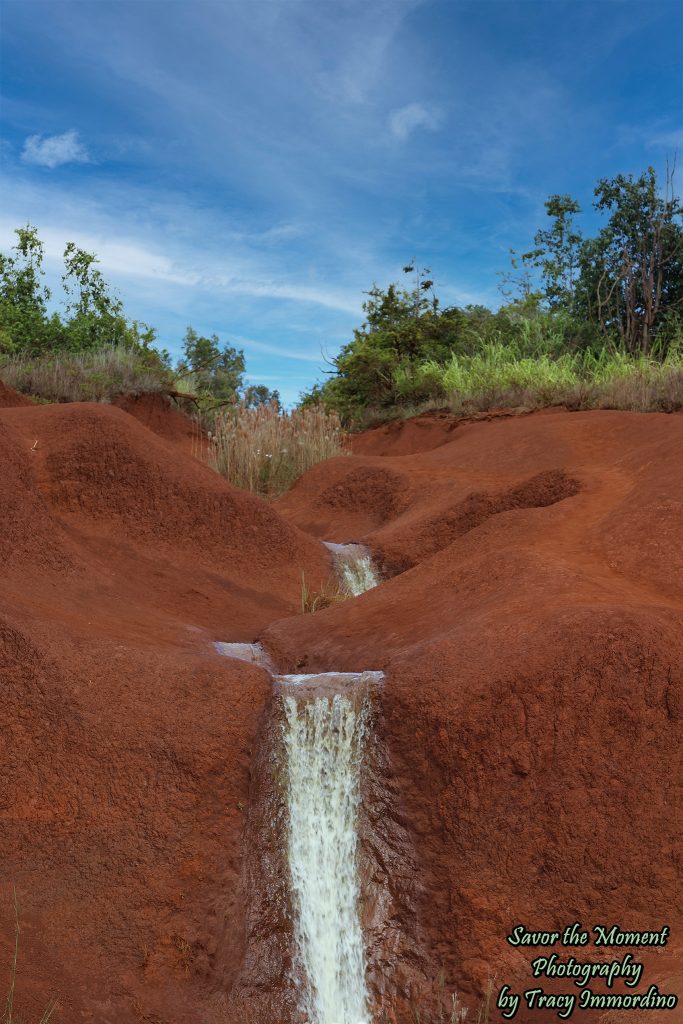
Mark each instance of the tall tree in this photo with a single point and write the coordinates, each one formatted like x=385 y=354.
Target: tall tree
x=631 y=274
x=23 y=296
x=557 y=251
x=218 y=372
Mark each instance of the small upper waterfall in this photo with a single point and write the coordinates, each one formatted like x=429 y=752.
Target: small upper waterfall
x=253 y=653
x=354 y=567
x=323 y=738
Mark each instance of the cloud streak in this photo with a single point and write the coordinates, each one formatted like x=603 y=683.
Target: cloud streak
x=55 y=150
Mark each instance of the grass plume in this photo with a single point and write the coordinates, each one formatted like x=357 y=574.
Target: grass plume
x=265 y=450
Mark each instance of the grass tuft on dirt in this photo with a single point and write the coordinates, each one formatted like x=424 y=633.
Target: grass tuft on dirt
x=498 y=376
x=8 y=1016
x=91 y=376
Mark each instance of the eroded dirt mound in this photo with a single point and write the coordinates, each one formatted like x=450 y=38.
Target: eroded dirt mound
x=406 y=437
x=126 y=740
x=158 y=413
x=346 y=496
x=524 y=749
x=378 y=493
x=533 y=699
x=10 y=398
x=27 y=532
x=410 y=542
x=101 y=471
x=126 y=781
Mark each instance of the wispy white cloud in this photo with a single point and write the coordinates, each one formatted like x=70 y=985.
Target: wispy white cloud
x=54 y=150
x=265 y=157
x=291 y=291
x=415 y=115
x=671 y=140
x=251 y=345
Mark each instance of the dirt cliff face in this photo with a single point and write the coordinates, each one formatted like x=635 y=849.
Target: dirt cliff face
x=524 y=762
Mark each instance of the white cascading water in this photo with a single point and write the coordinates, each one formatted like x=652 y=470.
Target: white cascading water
x=323 y=738
x=354 y=567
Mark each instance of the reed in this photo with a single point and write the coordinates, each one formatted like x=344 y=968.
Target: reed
x=265 y=449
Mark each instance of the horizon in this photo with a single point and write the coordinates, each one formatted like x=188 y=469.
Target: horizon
x=251 y=170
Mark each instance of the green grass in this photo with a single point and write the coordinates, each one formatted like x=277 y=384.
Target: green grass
x=499 y=376
x=97 y=376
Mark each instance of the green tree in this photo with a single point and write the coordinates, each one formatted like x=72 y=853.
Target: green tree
x=631 y=274
x=24 y=322
x=96 y=315
x=218 y=373
x=557 y=251
x=402 y=329
x=517 y=285
x=256 y=395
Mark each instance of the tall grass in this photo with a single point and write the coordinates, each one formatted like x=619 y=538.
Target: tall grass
x=330 y=593
x=265 y=450
x=96 y=376
x=498 y=375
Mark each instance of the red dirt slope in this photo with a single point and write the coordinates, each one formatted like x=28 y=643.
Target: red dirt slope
x=533 y=708
x=524 y=761
x=158 y=413
x=126 y=741
x=10 y=398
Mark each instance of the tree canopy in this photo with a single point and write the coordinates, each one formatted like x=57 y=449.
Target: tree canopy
x=621 y=289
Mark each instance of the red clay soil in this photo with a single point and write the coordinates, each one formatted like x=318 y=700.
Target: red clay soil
x=524 y=762
x=126 y=741
x=532 y=715
x=10 y=398
x=162 y=415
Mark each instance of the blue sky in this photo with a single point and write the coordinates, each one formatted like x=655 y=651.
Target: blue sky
x=251 y=167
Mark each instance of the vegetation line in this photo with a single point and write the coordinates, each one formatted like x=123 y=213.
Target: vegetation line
x=588 y=322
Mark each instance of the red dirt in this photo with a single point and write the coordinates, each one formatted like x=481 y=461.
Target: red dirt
x=525 y=759
x=159 y=414
x=10 y=398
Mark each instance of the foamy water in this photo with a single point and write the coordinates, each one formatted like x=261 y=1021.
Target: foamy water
x=354 y=566
x=323 y=737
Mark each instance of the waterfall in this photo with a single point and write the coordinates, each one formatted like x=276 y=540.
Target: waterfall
x=354 y=567
x=324 y=733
